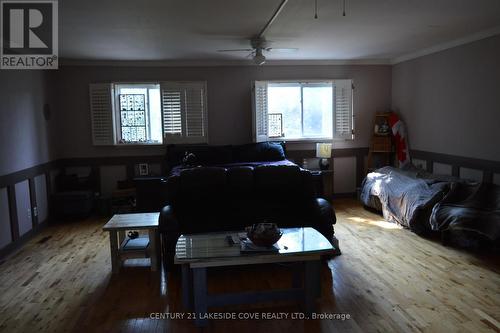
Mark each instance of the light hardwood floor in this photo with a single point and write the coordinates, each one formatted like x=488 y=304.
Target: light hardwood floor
x=387 y=279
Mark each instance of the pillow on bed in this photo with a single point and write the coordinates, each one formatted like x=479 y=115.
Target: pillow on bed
x=257 y=152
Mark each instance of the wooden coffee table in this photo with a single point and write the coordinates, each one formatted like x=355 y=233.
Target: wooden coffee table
x=198 y=252
x=117 y=227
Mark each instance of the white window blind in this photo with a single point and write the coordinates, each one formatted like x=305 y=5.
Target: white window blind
x=260 y=111
x=184 y=112
x=101 y=113
x=343 y=113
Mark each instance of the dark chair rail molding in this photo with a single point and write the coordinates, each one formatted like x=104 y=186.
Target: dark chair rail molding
x=488 y=167
x=130 y=161
x=110 y=160
x=21 y=175
x=25 y=174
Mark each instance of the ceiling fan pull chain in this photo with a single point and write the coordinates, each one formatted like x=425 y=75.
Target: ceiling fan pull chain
x=343 y=13
x=315 y=9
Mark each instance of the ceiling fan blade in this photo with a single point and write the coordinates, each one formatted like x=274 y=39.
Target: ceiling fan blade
x=236 y=50
x=282 y=49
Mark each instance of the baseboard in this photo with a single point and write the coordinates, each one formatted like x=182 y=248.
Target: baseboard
x=18 y=243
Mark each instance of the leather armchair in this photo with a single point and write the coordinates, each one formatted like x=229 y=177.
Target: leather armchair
x=208 y=199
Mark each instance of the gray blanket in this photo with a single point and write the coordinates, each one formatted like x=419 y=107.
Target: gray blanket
x=469 y=215
x=405 y=197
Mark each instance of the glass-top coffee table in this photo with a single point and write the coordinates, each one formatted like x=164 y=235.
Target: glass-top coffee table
x=198 y=252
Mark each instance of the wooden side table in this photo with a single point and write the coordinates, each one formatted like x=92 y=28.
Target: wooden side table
x=117 y=227
x=325 y=183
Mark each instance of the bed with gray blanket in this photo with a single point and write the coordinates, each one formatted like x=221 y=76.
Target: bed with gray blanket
x=466 y=213
x=405 y=197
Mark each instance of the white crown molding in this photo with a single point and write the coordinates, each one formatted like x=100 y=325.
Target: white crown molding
x=218 y=63
x=448 y=45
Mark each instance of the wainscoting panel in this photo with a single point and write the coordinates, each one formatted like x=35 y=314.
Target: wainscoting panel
x=5 y=232
x=422 y=164
x=344 y=175
x=23 y=207
x=42 y=202
x=79 y=171
x=52 y=176
x=446 y=162
x=474 y=174
x=442 y=169
x=110 y=175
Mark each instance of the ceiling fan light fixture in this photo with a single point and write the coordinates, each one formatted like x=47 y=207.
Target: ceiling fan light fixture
x=259 y=58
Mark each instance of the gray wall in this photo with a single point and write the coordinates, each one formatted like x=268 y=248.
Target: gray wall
x=24 y=134
x=451 y=100
x=25 y=141
x=229 y=100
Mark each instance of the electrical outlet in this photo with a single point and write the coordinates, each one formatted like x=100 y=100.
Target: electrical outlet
x=35 y=211
x=29 y=214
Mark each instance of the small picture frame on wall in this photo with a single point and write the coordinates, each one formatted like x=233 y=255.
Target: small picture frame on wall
x=143 y=169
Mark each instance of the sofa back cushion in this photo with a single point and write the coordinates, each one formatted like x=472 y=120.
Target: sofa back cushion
x=282 y=181
x=216 y=198
x=202 y=183
x=240 y=181
x=215 y=155
x=203 y=154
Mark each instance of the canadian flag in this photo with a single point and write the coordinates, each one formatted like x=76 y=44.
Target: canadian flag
x=400 y=139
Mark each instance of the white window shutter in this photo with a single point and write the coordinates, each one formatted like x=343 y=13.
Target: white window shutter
x=101 y=112
x=172 y=112
x=260 y=114
x=343 y=113
x=195 y=115
x=184 y=109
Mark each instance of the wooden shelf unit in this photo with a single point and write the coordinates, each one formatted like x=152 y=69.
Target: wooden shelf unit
x=381 y=146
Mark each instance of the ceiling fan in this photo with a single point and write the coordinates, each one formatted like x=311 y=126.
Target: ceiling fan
x=259 y=44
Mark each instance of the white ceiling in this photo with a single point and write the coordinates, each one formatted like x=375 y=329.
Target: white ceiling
x=162 y=30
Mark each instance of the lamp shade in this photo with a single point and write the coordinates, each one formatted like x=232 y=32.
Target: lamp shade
x=323 y=150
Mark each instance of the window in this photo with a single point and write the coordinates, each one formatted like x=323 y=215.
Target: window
x=148 y=113
x=315 y=110
x=138 y=113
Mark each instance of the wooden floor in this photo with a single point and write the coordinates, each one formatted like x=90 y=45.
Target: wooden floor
x=387 y=280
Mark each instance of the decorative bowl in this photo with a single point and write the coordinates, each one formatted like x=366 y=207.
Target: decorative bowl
x=264 y=234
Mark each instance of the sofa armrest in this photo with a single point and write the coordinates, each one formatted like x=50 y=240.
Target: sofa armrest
x=168 y=222
x=169 y=228
x=324 y=211
x=325 y=215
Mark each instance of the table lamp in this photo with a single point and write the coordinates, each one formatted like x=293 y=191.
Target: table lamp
x=324 y=153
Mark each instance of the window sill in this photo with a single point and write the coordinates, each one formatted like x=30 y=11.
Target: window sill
x=309 y=140
x=138 y=145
